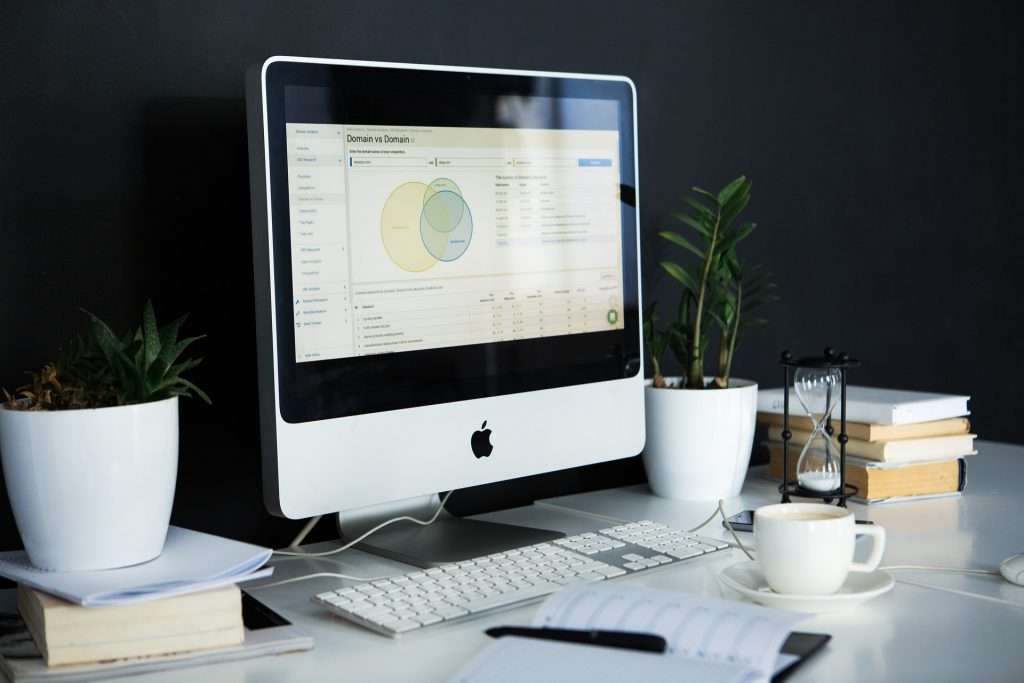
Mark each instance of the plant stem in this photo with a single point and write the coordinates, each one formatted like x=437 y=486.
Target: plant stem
x=722 y=378
x=729 y=342
x=695 y=374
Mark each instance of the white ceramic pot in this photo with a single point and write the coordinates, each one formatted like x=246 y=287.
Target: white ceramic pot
x=91 y=489
x=699 y=440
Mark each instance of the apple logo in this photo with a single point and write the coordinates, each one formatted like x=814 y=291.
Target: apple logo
x=481 y=442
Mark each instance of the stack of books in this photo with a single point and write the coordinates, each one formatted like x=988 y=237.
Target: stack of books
x=66 y=633
x=181 y=609
x=902 y=445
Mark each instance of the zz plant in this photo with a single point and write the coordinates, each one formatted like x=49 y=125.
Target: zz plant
x=102 y=369
x=717 y=292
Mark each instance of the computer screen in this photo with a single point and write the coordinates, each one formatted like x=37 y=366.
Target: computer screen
x=424 y=237
x=447 y=277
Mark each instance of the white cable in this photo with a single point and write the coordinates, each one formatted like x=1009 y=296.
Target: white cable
x=731 y=531
x=953 y=570
x=318 y=575
x=704 y=523
x=403 y=518
x=301 y=536
x=331 y=560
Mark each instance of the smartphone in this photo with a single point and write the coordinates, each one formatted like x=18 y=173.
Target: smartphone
x=742 y=521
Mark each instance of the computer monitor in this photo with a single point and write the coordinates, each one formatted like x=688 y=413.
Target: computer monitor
x=447 y=278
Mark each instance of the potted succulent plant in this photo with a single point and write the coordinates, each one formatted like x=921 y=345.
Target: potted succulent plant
x=90 y=447
x=700 y=429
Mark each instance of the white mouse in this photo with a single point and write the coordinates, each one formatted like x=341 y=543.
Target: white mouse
x=1012 y=569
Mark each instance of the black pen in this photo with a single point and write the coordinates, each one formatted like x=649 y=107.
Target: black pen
x=624 y=639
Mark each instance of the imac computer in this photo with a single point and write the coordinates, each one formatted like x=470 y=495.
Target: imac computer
x=447 y=288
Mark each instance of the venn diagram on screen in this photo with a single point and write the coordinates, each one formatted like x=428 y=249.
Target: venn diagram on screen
x=425 y=223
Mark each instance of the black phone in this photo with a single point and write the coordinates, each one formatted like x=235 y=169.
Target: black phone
x=742 y=521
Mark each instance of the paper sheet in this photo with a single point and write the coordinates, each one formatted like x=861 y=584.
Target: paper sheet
x=191 y=561
x=513 y=660
x=695 y=627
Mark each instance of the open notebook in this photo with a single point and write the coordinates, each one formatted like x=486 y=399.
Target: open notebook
x=709 y=640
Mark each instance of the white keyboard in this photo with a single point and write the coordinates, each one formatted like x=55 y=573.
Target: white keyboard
x=459 y=591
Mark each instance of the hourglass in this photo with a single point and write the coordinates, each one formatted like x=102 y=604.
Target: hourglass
x=820 y=387
x=817 y=468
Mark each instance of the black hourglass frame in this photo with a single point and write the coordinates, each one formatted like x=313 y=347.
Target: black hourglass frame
x=830 y=360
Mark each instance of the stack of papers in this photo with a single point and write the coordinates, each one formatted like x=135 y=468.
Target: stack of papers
x=191 y=561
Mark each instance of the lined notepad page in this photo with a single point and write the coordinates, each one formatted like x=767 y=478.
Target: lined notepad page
x=695 y=627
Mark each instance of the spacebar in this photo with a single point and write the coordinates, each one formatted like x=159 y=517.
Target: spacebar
x=512 y=598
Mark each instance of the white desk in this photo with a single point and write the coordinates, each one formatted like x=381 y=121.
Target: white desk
x=916 y=632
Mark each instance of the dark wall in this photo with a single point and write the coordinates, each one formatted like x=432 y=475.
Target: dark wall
x=883 y=140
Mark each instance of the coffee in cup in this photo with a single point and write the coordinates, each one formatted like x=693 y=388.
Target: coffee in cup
x=807 y=548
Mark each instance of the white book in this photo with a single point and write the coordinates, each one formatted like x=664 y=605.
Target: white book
x=708 y=640
x=877 y=406
x=191 y=561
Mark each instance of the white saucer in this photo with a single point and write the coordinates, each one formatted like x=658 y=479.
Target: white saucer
x=746 y=579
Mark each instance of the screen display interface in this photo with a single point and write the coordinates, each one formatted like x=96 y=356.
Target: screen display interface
x=410 y=237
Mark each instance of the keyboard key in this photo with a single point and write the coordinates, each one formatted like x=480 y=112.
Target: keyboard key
x=401 y=626
x=429 y=618
x=611 y=572
x=633 y=565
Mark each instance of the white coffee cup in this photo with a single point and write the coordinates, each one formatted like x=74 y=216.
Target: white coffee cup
x=807 y=548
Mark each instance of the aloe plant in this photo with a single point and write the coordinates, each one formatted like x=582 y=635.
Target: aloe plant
x=716 y=289
x=103 y=369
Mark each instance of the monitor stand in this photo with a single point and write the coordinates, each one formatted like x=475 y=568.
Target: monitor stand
x=449 y=539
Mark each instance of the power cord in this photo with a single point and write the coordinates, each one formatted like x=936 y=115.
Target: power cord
x=952 y=570
x=292 y=554
x=360 y=539
x=732 y=531
x=318 y=575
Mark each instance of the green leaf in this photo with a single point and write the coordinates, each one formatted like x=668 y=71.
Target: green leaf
x=106 y=340
x=677 y=239
x=707 y=195
x=193 y=388
x=680 y=274
x=733 y=264
x=700 y=227
x=704 y=212
x=735 y=208
x=150 y=334
x=730 y=190
x=169 y=332
x=718 y=319
x=738 y=235
x=172 y=351
x=178 y=369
